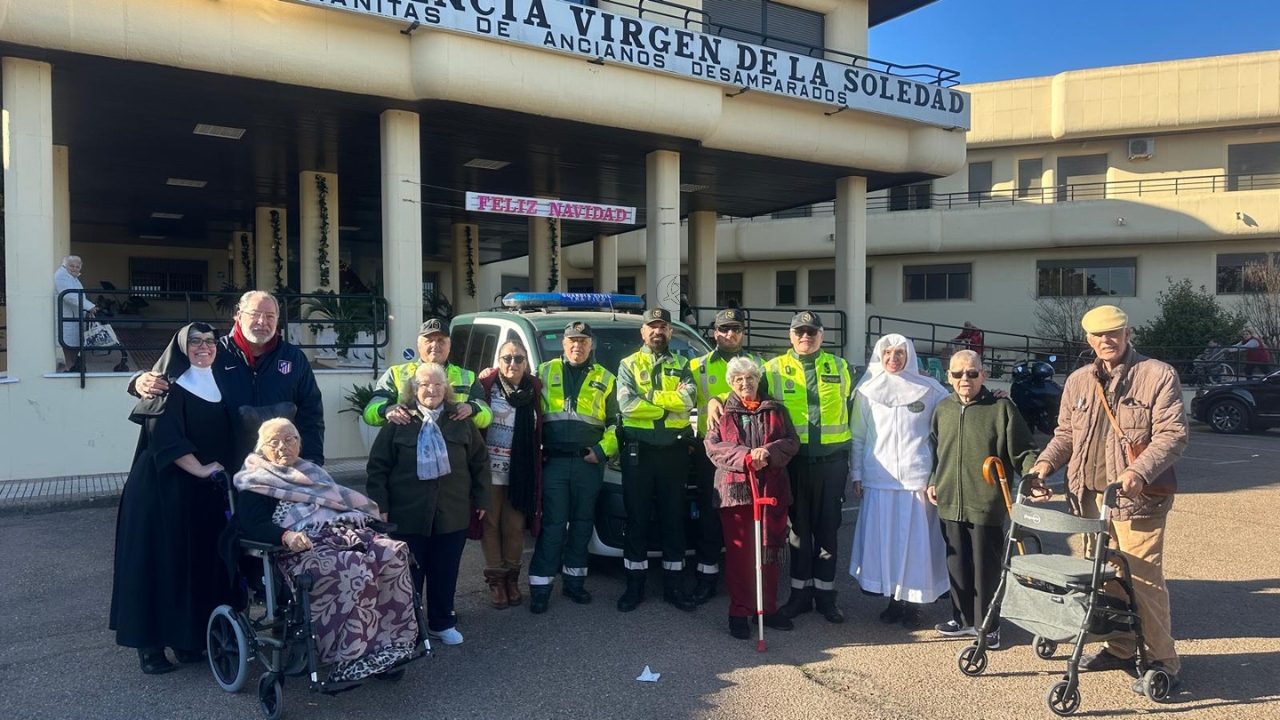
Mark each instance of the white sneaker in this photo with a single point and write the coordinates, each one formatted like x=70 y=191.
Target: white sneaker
x=448 y=637
x=953 y=629
x=993 y=640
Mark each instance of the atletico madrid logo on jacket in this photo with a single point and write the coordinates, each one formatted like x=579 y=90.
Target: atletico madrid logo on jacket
x=284 y=366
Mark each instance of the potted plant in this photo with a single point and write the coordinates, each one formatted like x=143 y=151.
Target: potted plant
x=356 y=400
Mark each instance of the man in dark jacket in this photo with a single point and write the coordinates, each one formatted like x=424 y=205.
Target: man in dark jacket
x=969 y=427
x=255 y=368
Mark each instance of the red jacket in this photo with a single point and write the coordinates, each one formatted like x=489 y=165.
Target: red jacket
x=486 y=386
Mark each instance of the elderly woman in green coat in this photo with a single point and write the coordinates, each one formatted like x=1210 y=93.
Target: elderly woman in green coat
x=426 y=476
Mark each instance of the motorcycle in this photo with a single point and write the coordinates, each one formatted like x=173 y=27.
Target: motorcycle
x=1036 y=395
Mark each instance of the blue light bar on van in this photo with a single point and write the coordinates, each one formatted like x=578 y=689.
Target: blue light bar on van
x=593 y=301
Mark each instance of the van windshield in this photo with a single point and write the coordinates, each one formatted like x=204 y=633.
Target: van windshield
x=613 y=343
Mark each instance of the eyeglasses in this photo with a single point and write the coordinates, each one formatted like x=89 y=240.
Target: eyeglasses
x=279 y=443
x=197 y=342
x=805 y=331
x=729 y=329
x=971 y=374
x=513 y=359
x=433 y=385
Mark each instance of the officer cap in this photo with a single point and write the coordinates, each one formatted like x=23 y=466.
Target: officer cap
x=434 y=325
x=577 y=329
x=653 y=315
x=729 y=316
x=1103 y=319
x=806 y=318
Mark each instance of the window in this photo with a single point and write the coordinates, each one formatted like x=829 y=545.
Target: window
x=481 y=347
x=514 y=283
x=803 y=211
x=458 y=337
x=430 y=283
x=627 y=285
x=910 y=197
x=979 y=181
x=868 y=294
x=1112 y=277
x=763 y=22
x=1080 y=167
x=728 y=289
x=822 y=287
x=150 y=276
x=580 y=285
x=785 y=282
x=1232 y=278
x=936 y=282
x=1253 y=166
x=1030 y=173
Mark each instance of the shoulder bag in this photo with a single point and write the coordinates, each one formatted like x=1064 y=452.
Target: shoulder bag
x=1166 y=483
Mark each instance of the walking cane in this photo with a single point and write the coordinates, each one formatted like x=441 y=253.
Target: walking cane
x=1003 y=480
x=758 y=517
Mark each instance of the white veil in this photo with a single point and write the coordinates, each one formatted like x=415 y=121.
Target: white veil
x=896 y=389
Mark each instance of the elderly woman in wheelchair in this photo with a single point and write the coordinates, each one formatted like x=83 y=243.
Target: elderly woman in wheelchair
x=364 y=612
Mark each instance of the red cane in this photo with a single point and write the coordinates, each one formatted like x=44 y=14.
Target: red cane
x=757 y=500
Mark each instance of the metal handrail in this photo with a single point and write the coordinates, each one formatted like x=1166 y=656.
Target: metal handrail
x=764 y=332
x=195 y=302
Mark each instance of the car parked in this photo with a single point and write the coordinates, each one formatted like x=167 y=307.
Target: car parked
x=538 y=320
x=1241 y=406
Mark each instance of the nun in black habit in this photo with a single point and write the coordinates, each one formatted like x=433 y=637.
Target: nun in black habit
x=168 y=576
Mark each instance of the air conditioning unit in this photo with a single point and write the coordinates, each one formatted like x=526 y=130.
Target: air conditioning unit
x=1142 y=148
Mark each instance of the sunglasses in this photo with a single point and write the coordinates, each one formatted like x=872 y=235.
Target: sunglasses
x=729 y=329
x=805 y=331
x=971 y=374
x=513 y=359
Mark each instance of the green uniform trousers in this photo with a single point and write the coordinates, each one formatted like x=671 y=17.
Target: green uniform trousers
x=570 y=486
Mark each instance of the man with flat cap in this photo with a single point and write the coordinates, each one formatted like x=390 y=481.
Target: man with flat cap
x=817 y=389
x=709 y=379
x=1122 y=420
x=392 y=390
x=579 y=412
x=655 y=395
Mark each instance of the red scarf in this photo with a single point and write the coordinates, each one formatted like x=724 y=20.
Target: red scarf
x=242 y=342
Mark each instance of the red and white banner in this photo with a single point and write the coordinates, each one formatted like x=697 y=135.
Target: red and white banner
x=544 y=207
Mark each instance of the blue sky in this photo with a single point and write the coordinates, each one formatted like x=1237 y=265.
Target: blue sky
x=990 y=40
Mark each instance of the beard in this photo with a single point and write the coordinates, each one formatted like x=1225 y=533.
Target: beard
x=658 y=344
x=256 y=338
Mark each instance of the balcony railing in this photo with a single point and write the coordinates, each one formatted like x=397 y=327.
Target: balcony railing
x=670 y=13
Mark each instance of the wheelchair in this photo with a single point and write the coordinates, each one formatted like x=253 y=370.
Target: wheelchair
x=275 y=630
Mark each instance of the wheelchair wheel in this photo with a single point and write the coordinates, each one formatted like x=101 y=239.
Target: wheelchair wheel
x=228 y=649
x=1045 y=649
x=1155 y=685
x=1061 y=702
x=270 y=696
x=970 y=661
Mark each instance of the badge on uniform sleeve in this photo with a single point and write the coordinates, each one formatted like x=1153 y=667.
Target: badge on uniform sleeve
x=644 y=376
x=916 y=407
x=790 y=386
x=712 y=379
x=284 y=366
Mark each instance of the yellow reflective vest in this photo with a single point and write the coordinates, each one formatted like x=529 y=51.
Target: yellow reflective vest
x=710 y=380
x=393 y=387
x=828 y=411
x=655 y=396
x=588 y=421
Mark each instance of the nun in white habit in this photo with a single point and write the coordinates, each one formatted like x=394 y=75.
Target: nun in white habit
x=898 y=550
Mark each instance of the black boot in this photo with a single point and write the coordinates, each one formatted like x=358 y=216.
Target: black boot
x=635 y=591
x=800 y=602
x=826 y=601
x=893 y=613
x=574 y=589
x=912 y=616
x=154 y=662
x=705 y=589
x=673 y=590
x=739 y=627
x=539 y=596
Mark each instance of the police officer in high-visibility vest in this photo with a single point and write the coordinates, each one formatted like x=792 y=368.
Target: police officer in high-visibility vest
x=393 y=387
x=710 y=382
x=656 y=396
x=817 y=389
x=579 y=412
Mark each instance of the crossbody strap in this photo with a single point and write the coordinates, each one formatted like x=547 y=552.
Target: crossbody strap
x=1124 y=439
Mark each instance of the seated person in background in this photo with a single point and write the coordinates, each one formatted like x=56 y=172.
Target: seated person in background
x=973 y=512
x=969 y=339
x=362 y=599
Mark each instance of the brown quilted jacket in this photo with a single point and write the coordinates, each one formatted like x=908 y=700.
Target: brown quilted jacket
x=1147 y=402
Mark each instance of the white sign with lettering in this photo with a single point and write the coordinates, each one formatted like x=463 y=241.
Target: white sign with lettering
x=612 y=38
x=543 y=207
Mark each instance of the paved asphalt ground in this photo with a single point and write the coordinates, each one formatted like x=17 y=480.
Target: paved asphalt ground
x=58 y=660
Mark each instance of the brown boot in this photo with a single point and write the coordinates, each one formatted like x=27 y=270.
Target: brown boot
x=512 y=586
x=495 y=579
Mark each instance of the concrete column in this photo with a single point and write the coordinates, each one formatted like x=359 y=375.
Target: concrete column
x=270 y=222
x=702 y=258
x=62 y=203
x=542 y=255
x=29 y=226
x=466 y=299
x=851 y=264
x=402 y=230
x=802 y=288
x=312 y=219
x=241 y=242
x=662 y=231
x=604 y=264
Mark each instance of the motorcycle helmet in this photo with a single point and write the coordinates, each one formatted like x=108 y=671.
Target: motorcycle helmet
x=1022 y=373
x=1041 y=371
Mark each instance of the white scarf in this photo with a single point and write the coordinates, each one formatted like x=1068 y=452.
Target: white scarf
x=200 y=382
x=896 y=389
